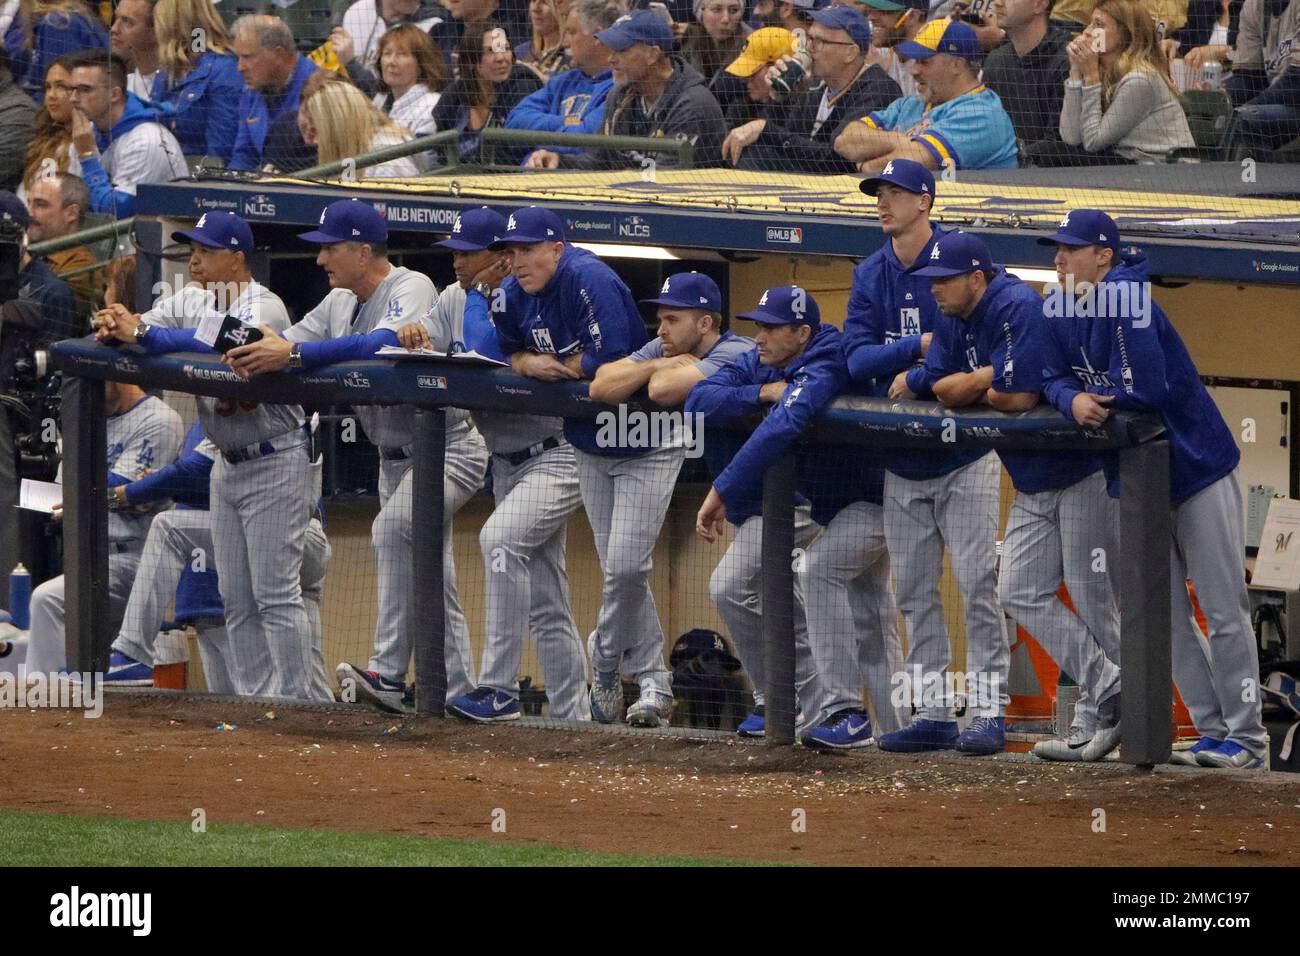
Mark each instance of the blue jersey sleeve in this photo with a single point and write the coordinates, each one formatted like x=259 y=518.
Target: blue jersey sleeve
x=480 y=332
x=728 y=394
x=539 y=109
x=606 y=316
x=184 y=480
x=509 y=320
x=103 y=197
x=1017 y=356
x=1060 y=384
x=348 y=348
x=742 y=479
x=939 y=363
x=161 y=340
x=1137 y=362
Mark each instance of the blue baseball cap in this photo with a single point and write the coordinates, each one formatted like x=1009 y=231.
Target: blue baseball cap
x=954 y=254
x=639 y=26
x=786 y=305
x=219 y=230
x=12 y=208
x=348 y=220
x=942 y=36
x=1085 y=227
x=904 y=173
x=847 y=19
x=689 y=290
x=531 y=224
x=475 y=230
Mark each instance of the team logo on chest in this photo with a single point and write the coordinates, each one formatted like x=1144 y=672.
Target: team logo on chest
x=1089 y=375
x=909 y=321
x=542 y=340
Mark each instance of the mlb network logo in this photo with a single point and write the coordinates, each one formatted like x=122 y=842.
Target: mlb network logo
x=790 y=235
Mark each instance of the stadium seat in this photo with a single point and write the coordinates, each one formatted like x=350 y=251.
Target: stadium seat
x=1208 y=114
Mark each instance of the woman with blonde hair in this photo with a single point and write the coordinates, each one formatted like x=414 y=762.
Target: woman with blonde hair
x=51 y=149
x=198 y=92
x=44 y=30
x=339 y=120
x=544 y=54
x=411 y=77
x=1120 y=105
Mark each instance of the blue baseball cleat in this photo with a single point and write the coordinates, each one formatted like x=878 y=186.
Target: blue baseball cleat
x=1232 y=756
x=1187 y=758
x=843 y=730
x=126 y=671
x=372 y=687
x=485 y=706
x=921 y=736
x=755 y=725
x=985 y=735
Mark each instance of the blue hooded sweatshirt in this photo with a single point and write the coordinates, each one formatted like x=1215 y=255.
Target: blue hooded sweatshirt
x=585 y=307
x=1006 y=330
x=831 y=477
x=1140 y=360
x=103 y=197
x=889 y=310
x=202 y=108
x=570 y=102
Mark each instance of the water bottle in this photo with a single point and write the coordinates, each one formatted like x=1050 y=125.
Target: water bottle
x=1212 y=75
x=785 y=82
x=20 y=597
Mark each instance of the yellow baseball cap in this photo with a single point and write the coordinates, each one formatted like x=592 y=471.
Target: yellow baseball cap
x=763 y=47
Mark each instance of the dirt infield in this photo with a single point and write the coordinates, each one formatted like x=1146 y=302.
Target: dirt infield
x=159 y=759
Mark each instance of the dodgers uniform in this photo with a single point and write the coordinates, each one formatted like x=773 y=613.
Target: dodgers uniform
x=261 y=500
x=145 y=437
x=850 y=612
x=586 y=308
x=535 y=486
x=404 y=296
x=1059 y=508
x=1145 y=367
x=931 y=499
x=173 y=564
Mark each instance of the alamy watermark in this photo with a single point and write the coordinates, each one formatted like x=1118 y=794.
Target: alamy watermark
x=945 y=689
x=634 y=429
x=1101 y=300
x=30 y=690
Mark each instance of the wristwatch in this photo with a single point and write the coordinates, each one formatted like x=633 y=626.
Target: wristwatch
x=295 y=355
x=141 y=330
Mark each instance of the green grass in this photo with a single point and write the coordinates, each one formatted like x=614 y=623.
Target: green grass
x=41 y=839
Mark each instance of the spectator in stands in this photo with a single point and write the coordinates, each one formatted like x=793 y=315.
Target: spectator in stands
x=132 y=38
x=1120 y=105
x=849 y=88
x=1208 y=37
x=1168 y=16
x=200 y=89
x=656 y=94
x=286 y=151
x=765 y=49
x=56 y=207
x=340 y=122
x=44 y=30
x=1028 y=71
x=17 y=119
x=273 y=73
x=891 y=24
x=1265 y=81
x=716 y=37
x=56 y=310
x=411 y=78
x=367 y=22
x=448 y=34
x=491 y=84
x=574 y=101
x=118 y=138
x=953 y=121
x=795 y=15
x=51 y=149
x=544 y=53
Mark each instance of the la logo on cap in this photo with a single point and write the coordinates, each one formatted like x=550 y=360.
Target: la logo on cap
x=934 y=253
x=456 y=227
x=1065 y=220
x=889 y=169
x=763 y=300
x=202 y=219
x=322 y=215
x=667 y=283
x=511 y=224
